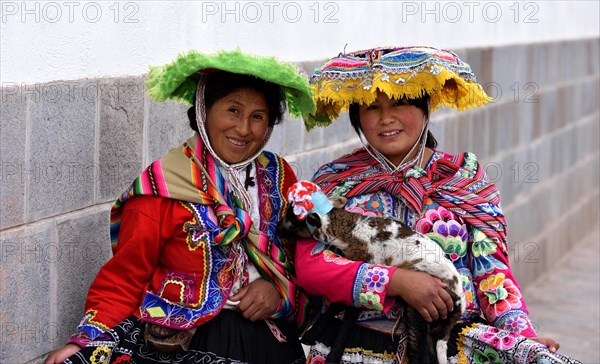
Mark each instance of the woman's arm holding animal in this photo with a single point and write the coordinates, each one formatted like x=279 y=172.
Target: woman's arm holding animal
x=422 y=291
x=322 y=272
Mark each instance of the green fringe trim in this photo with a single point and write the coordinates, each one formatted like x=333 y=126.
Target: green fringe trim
x=179 y=79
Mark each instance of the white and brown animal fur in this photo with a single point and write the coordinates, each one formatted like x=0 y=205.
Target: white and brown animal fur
x=389 y=242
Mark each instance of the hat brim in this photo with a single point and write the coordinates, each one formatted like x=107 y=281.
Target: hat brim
x=399 y=73
x=179 y=79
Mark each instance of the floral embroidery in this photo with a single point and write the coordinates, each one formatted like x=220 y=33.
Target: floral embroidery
x=441 y=226
x=123 y=359
x=438 y=213
x=498 y=339
x=100 y=355
x=376 y=279
x=467 y=289
x=498 y=295
x=317 y=360
x=371 y=301
x=483 y=261
x=374 y=204
x=516 y=324
x=482 y=244
x=488 y=356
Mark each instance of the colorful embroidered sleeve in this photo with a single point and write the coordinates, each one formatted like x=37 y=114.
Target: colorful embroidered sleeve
x=324 y=273
x=118 y=288
x=497 y=290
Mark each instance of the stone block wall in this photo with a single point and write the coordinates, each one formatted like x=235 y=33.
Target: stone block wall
x=67 y=149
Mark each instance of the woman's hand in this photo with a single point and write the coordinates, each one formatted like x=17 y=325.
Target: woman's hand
x=552 y=344
x=258 y=300
x=60 y=355
x=422 y=291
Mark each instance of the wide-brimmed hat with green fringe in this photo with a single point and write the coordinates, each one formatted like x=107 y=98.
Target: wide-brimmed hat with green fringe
x=399 y=72
x=178 y=80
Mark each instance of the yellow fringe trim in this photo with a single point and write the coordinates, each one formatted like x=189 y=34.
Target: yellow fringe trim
x=92 y=317
x=462 y=358
x=446 y=89
x=370 y=353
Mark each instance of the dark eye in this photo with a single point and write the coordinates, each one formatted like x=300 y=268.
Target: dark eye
x=259 y=117
x=372 y=107
x=233 y=110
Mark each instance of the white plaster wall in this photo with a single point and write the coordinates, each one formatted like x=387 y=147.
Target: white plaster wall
x=45 y=41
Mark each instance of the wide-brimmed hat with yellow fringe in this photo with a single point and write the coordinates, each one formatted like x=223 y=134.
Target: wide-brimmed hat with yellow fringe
x=402 y=72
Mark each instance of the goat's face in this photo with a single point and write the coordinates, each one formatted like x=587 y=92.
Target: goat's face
x=290 y=226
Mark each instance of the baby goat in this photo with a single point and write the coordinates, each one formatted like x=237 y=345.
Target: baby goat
x=384 y=241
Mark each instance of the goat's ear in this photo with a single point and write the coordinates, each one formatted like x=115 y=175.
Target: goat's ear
x=314 y=219
x=338 y=201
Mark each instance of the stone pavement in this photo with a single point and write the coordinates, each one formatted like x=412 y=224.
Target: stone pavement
x=564 y=304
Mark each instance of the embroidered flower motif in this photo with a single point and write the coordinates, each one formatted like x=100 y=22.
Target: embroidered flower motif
x=100 y=355
x=376 y=279
x=316 y=360
x=498 y=295
x=123 y=359
x=370 y=204
x=498 y=339
x=488 y=356
x=482 y=244
x=467 y=289
x=442 y=227
x=516 y=324
x=371 y=301
x=375 y=205
x=483 y=261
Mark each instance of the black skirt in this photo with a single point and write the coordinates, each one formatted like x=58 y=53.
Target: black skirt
x=228 y=338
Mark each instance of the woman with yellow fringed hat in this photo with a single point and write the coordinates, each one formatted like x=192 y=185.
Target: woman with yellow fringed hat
x=198 y=273
x=390 y=93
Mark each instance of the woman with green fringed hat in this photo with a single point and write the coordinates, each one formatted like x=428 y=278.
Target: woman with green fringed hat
x=198 y=274
x=389 y=94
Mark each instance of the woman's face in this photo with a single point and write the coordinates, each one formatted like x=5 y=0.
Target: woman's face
x=237 y=123
x=391 y=126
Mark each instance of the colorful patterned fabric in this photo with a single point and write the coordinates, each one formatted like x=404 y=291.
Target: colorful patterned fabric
x=490 y=288
x=408 y=72
x=459 y=184
x=483 y=344
x=124 y=344
x=188 y=173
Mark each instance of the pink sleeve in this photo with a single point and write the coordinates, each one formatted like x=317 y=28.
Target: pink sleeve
x=324 y=273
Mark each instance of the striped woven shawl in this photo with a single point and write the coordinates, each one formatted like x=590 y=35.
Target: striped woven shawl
x=459 y=184
x=189 y=174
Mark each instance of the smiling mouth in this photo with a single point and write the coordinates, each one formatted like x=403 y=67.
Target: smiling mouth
x=237 y=143
x=390 y=133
